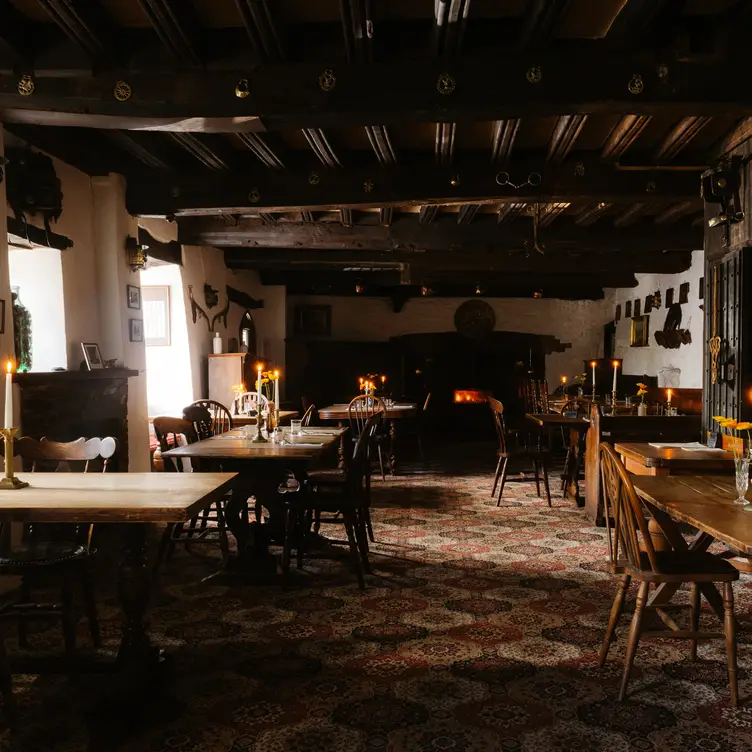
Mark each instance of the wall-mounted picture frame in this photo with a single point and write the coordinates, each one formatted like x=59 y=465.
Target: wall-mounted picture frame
x=636 y=308
x=92 y=356
x=628 y=310
x=313 y=320
x=669 y=297
x=701 y=289
x=638 y=335
x=684 y=292
x=2 y=317
x=136 y=330
x=648 y=304
x=133 y=297
x=617 y=315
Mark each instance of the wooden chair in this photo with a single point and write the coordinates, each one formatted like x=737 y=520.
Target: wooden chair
x=308 y=416
x=633 y=556
x=506 y=452
x=168 y=432
x=60 y=552
x=346 y=504
x=221 y=420
x=360 y=409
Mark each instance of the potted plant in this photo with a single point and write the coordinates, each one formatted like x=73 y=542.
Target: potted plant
x=642 y=390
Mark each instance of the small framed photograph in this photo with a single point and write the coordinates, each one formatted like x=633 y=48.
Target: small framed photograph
x=2 y=317
x=136 y=328
x=638 y=335
x=92 y=356
x=134 y=296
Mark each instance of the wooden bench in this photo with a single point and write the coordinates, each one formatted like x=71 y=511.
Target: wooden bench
x=619 y=428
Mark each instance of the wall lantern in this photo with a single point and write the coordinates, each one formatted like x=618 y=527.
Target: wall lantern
x=137 y=257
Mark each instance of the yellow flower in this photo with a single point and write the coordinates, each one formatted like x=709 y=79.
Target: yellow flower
x=640 y=385
x=728 y=423
x=719 y=418
x=745 y=425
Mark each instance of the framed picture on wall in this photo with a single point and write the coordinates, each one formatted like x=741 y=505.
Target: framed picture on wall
x=638 y=335
x=92 y=356
x=617 y=316
x=636 y=308
x=684 y=292
x=2 y=317
x=134 y=296
x=628 y=310
x=313 y=320
x=136 y=329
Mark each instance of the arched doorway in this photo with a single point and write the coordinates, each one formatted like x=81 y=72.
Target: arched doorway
x=247 y=335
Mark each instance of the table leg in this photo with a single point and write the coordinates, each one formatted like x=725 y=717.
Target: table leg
x=341 y=448
x=578 y=448
x=236 y=517
x=393 y=447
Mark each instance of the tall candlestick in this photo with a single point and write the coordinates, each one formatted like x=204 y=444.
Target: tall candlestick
x=8 y=395
x=276 y=391
x=616 y=368
x=593 y=363
x=258 y=389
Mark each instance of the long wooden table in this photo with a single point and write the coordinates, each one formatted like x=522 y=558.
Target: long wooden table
x=706 y=503
x=641 y=458
x=393 y=414
x=261 y=467
x=134 y=498
x=285 y=416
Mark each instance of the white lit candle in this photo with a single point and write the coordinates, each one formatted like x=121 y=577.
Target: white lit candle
x=276 y=391
x=668 y=401
x=593 y=364
x=616 y=368
x=258 y=388
x=9 y=395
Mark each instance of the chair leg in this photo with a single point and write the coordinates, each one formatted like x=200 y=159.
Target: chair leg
x=87 y=588
x=503 y=479
x=729 y=627
x=381 y=462
x=368 y=524
x=68 y=619
x=164 y=545
x=348 y=519
x=536 y=468
x=544 y=466
x=23 y=627
x=497 y=475
x=361 y=538
x=224 y=544
x=694 y=608
x=634 y=636
x=300 y=534
x=613 y=619
x=287 y=548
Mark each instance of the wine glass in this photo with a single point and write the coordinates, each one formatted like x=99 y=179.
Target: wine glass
x=741 y=467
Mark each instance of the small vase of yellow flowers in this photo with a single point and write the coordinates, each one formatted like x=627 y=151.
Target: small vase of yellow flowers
x=642 y=390
x=741 y=454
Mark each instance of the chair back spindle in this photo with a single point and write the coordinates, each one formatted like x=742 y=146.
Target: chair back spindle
x=360 y=409
x=221 y=420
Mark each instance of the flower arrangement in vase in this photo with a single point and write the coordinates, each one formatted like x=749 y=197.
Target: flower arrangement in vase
x=642 y=390
x=741 y=454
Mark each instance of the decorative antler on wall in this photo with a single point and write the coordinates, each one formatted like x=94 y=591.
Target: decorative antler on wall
x=198 y=312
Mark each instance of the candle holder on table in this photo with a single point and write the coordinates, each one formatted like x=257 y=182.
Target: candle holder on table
x=613 y=403
x=259 y=437
x=10 y=481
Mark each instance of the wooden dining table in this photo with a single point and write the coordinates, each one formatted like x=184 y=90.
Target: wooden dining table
x=137 y=499
x=706 y=503
x=394 y=413
x=261 y=467
x=642 y=458
x=285 y=416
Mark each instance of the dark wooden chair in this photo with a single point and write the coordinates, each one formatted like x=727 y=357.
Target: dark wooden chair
x=360 y=410
x=633 y=556
x=59 y=553
x=169 y=432
x=345 y=504
x=507 y=451
x=221 y=420
x=308 y=416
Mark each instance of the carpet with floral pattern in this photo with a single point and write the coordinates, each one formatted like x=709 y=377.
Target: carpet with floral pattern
x=478 y=630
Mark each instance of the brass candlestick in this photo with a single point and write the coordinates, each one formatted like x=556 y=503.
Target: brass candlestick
x=10 y=481
x=613 y=403
x=259 y=438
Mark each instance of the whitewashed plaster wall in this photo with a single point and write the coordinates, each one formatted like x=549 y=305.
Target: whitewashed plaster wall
x=579 y=323
x=639 y=361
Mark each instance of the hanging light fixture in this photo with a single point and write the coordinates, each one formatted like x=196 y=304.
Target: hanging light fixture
x=137 y=257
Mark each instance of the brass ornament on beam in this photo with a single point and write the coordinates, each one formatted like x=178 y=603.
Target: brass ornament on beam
x=26 y=85
x=579 y=169
x=636 y=85
x=242 y=89
x=534 y=75
x=368 y=186
x=651 y=187
x=122 y=91
x=455 y=180
x=175 y=191
x=314 y=178
x=254 y=196
x=327 y=80
x=445 y=84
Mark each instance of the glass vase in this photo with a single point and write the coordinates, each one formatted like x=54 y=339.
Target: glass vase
x=741 y=471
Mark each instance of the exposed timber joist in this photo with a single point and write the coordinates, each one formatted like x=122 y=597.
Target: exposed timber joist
x=630 y=215
x=445 y=142
x=86 y=24
x=198 y=148
x=738 y=135
x=408 y=234
x=542 y=19
x=261 y=29
x=624 y=134
x=564 y=136
x=467 y=213
x=419 y=184
x=427 y=214
x=386 y=214
x=261 y=150
x=502 y=142
x=450 y=19
x=679 y=137
x=550 y=212
x=318 y=141
x=268 y=218
x=554 y=262
x=592 y=214
x=286 y=95
x=508 y=212
x=357 y=28
x=346 y=217
x=307 y=216
x=176 y=27
x=143 y=146
x=672 y=213
x=382 y=144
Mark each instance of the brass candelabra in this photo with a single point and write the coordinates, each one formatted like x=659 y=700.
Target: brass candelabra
x=259 y=437
x=10 y=481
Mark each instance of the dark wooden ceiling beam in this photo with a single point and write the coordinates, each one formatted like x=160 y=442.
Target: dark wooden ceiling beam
x=631 y=215
x=87 y=24
x=507 y=212
x=409 y=233
x=143 y=146
x=450 y=21
x=592 y=214
x=679 y=137
x=261 y=150
x=549 y=212
x=378 y=136
x=623 y=135
x=346 y=217
x=564 y=137
x=268 y=218
x=677 y=211
x=198 y=148
x=739 y=134
x=418 y=184
x=357 y=28
x=15 y=34
x=307 y=216
x=503 y=138
x=262 y=30
x=444 y=148
x=467 y=213
x=177 y=27
x=321 y=147
x=542 y=19
x=386 y=214
x=427 y=214
x=287 y=95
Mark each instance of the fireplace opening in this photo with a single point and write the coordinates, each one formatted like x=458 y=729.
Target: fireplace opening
x=471 y=396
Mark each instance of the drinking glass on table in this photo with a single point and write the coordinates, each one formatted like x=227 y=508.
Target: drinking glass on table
x=296 y=428
x=741 y=468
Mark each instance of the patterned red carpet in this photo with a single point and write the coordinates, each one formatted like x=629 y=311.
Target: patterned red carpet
x=478 y=631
